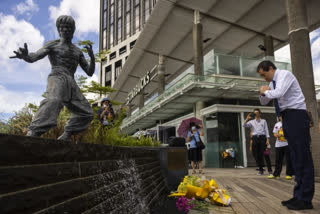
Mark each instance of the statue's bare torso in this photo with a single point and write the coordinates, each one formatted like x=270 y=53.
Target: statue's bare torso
x=64 y=57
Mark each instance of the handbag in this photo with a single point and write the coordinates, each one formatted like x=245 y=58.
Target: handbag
x=200 y=144
x=266 y=152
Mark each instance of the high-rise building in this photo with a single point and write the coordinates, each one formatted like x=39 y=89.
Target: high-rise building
x=120 y=24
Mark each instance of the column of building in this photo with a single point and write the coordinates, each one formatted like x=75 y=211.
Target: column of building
x=141 y=99
x=269 y=49
x=198 y=64
x=197 y=55
x=161 y=75
x=301 y=61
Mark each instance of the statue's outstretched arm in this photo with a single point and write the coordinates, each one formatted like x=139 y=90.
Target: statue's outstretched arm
x=89 y=69
x=23 y=53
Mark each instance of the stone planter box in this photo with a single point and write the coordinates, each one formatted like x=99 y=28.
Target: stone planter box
x=40 y=175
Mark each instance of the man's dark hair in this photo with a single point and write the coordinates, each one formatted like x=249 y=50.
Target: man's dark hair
x=65 y=20
x=265 y=65
x=256 y=109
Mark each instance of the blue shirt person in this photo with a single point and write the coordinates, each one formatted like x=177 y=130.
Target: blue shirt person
x=195 y=154
x=196 y=137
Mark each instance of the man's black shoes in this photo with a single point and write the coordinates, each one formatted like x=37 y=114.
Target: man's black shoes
x=300 y=205
x=295 y=204
x=285 y=203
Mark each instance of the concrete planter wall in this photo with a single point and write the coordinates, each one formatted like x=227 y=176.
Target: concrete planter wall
x=174 y=162
x=44 y=176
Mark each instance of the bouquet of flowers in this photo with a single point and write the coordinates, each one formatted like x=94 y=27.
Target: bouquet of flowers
x=192 y=187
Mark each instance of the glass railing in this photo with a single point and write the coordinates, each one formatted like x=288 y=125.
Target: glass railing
x=208 y=81
x=221 y=64
x=159 y=99
x=192 y=80
x=219 y=70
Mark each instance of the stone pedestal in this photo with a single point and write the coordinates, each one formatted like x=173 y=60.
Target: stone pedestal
x=174 y=163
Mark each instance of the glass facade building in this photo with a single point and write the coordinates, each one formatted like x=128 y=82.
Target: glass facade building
x=227 y=91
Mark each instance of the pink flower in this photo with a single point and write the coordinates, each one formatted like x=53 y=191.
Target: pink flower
x=183 y=204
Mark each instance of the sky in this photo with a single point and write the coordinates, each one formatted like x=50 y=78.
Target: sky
x=33 y=22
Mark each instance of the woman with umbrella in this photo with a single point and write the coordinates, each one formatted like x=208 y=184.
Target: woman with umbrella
x=193 y=136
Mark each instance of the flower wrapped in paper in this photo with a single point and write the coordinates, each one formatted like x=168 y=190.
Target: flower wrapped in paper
x=201 y=189
x=220 y=197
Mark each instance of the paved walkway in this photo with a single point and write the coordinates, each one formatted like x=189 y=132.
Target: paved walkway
x=255 y=194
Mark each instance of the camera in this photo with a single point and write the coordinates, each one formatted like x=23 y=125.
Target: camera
x=252 y=115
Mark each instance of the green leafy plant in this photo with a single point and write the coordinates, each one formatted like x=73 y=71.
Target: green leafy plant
x=200 y=205
x=18 y=123
x=111 y=135
x=99 y=57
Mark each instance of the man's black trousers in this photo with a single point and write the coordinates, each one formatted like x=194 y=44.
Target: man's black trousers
x=297 y=132
x=259 y=147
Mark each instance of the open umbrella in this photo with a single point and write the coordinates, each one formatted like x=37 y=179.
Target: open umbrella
x=185 y=126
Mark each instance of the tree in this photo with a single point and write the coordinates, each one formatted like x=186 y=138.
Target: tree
x=19 y=123
x=100 y=56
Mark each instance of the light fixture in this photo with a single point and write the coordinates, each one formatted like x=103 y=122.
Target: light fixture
x=261 y=47
x=206 y=40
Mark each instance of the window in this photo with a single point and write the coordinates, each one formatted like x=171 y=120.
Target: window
x=104 y=24
x=128 y=25
x=154 y=2
x=104 y=41
x=113 y=55
x=146 y=10
x=119 y=8
x=123 y=50
x=132 y=44
x=112 y=31
x=119 y=30
x=128 y=18
x=105 y=2
x=111 y=35
x=128 y=5
x=118 y=69
x=108 y=76
x=119 y=21
x=104 y=19
x=137 y=16
x=112 y=14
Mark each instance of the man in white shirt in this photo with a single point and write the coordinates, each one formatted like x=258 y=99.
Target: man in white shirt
x=289 y=102
x=260 y=138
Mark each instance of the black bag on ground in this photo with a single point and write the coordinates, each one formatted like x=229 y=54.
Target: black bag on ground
x=177 y=141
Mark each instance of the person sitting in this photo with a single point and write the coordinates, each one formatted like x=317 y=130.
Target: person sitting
x=106 y=113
